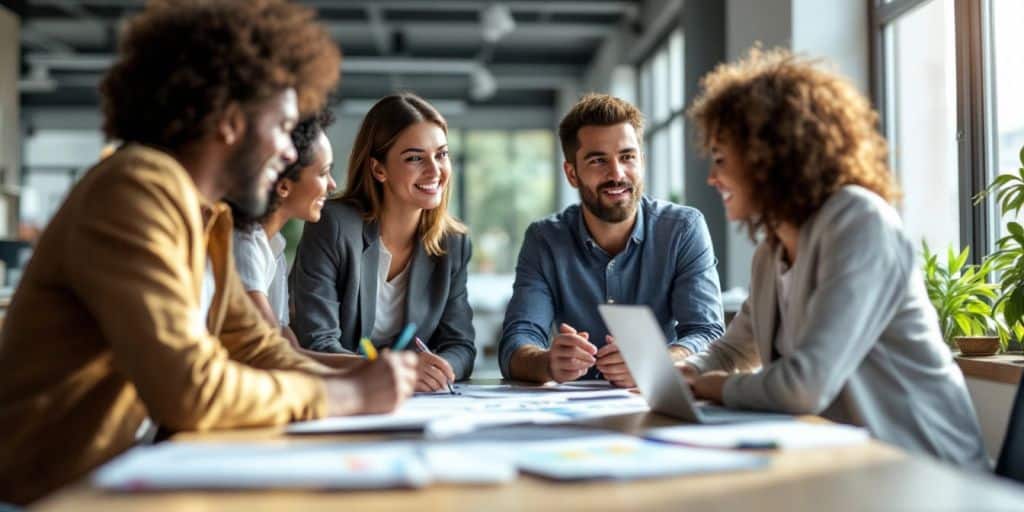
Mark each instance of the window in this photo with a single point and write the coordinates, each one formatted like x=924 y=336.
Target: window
x=1006 y=81
x=507 y=181
x=920 y=70
x=661 y=100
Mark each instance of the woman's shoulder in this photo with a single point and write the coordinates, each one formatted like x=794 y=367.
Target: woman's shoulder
x=856 y=202
x=860 y=218
x=456 y=243
x=340 y=218
x=248 y=238
x=340 y=210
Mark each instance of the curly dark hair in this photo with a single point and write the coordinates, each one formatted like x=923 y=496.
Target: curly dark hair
x=183 y=62
x=303 y=137
x=803 y=133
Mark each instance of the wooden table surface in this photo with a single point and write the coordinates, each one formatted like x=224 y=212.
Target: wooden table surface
x=871 y=476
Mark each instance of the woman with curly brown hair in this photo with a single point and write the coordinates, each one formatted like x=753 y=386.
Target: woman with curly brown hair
x=130 y=313
x=837 y=323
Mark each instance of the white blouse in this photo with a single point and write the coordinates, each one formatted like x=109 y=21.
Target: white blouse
x=389 y=317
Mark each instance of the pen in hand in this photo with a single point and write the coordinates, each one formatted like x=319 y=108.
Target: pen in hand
x=423 y=348
x=368 y=349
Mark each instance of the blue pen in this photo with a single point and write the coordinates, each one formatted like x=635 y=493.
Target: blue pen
x=405 y=337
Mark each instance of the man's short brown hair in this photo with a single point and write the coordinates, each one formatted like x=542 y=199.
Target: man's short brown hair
x=181 y=63
x=596 y=110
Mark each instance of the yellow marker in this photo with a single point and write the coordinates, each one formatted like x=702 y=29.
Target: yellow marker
x=368 y=348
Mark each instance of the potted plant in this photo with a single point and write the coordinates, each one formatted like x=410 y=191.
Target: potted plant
x=965 y=302
x=1008 y=259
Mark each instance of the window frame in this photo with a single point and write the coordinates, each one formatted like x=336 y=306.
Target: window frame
x=645 y=77
x=972 y=35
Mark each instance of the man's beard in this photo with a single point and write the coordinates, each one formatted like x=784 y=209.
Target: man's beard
x=243 y=173
x=591 y=199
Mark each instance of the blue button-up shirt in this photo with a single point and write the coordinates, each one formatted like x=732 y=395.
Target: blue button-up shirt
x=562 y=275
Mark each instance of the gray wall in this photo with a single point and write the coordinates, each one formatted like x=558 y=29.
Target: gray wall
x=749 y=22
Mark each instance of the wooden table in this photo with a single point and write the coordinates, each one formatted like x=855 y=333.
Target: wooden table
x=871 y=476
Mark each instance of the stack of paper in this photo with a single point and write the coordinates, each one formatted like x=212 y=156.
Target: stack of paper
x=442 y=415
x=622 y=457
x=263 y=465
x=306 y=466
x=490 y=456
x=764 y=435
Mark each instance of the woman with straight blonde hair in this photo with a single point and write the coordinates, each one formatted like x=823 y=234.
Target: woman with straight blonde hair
x=387 y=252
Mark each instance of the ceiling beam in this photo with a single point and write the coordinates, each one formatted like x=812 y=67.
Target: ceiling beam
x=628 y=9
x=625 y=8
x=473 y=30
x=32 y=37
x=76 y=10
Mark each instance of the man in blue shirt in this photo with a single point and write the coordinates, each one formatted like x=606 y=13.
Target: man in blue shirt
x=616 y=247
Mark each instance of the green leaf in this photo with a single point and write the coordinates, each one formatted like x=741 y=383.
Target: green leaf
x=1016 y=230
x=1015 y=306
x=963 y=326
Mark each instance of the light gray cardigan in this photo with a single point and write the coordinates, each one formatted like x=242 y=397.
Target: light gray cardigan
x=865 y=347
x=333 y=287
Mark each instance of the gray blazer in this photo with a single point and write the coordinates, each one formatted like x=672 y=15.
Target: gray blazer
x=864 y=344
x=333 y=286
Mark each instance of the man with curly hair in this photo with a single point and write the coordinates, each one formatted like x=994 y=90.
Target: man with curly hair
x=131 y=306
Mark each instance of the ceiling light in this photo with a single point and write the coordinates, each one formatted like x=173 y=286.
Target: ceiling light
x=482 y=84
x=497 y=22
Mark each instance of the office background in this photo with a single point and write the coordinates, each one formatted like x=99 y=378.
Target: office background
x=944 y=74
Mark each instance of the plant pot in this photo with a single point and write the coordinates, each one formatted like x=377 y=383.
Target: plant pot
x=977 y=345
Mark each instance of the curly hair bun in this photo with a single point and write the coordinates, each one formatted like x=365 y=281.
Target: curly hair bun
x=182 y=62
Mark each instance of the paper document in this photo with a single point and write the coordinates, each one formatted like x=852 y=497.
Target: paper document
x=444 y=415
x=550 y=391
x=622 y=457
x=766 y=435
x=456 y=464
x=306 y=466
x=264 y=465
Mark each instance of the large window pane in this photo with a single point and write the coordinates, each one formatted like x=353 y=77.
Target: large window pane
x=660 y=78
x=675 y=77
x=675 y=162
x=658 y=167
x=920 y=67
x=1008 y=80
x=647 y=89
x=509 y=183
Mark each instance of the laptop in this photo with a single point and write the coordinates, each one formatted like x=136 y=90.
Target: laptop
x=643 y=346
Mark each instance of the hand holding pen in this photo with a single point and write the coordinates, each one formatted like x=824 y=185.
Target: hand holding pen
x=434 y=371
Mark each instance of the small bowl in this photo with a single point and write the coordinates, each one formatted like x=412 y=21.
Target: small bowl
x=977 y=345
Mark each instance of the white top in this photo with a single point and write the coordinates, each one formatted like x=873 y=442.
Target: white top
x=206 y=295
x=390 y=310
x=262 y=267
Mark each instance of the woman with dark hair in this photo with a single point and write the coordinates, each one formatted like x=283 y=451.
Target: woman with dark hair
x=838 y=323
x=387 y=252
x=299 y=193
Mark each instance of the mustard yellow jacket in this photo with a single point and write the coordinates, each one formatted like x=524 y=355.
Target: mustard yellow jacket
x=105 y=329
